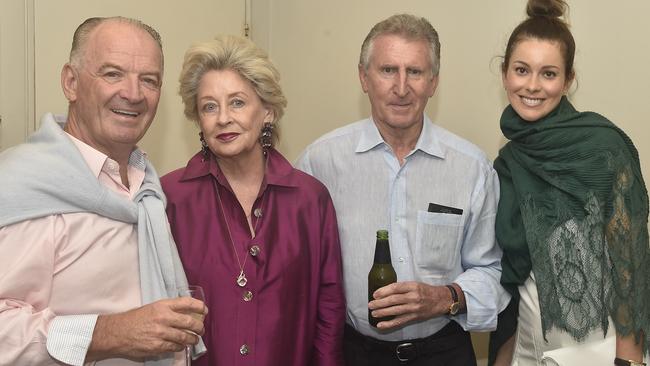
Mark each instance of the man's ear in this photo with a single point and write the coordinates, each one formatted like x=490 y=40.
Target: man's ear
x=362 y=78
x=433 y=86
x=69 y=83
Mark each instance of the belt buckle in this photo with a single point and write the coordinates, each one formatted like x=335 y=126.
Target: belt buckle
x=406 y=352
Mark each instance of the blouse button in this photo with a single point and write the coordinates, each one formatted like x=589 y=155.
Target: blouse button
x=243 y=350
x=257 y=212
x=248 y=296
x=254 y=250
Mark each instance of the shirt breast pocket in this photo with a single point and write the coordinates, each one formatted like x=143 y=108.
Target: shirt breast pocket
x=437 y=242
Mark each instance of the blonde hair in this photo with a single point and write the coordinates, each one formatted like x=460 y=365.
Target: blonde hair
x=228 y=52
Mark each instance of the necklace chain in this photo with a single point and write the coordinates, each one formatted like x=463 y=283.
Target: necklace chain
x=241 y=279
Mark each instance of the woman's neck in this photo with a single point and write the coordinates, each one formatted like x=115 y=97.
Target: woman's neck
x=245 y=176
x=246 y=167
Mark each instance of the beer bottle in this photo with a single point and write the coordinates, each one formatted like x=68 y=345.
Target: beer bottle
x=382 y=272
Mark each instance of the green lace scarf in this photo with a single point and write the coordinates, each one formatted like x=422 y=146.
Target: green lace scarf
x=574 y=210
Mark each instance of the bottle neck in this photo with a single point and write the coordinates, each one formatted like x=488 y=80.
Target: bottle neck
x=382 y=252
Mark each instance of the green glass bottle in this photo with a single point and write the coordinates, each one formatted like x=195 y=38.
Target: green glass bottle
x=382 y=272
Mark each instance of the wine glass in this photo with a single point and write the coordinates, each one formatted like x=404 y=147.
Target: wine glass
x=197 y=293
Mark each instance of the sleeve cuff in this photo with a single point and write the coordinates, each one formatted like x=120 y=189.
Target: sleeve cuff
x=482 y=306
x=199 y=349
x=69 y=337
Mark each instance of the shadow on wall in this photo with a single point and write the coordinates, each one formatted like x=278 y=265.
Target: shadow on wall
x=481 y=342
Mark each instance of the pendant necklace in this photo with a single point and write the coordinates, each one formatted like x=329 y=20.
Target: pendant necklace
x=241 y=279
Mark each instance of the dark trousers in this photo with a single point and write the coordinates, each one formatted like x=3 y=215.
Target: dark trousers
x=450 y=346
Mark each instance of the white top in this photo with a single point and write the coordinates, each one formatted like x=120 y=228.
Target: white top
x=531 y=349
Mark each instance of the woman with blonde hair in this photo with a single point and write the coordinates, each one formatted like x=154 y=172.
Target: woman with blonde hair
x=259 y=236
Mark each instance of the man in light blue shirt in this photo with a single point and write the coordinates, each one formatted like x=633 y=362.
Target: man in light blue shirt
x=435 y=192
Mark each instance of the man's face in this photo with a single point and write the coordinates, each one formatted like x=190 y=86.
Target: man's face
x=115 y=90
x=399 y=82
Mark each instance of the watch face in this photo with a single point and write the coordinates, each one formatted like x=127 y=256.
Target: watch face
x=453 y=308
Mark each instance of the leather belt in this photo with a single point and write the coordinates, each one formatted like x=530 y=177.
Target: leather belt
x=409 y=350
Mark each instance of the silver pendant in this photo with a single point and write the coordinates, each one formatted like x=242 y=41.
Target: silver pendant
x=241 y=279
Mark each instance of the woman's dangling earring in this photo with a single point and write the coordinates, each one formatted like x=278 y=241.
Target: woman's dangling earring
x=204 y=147
x=266 y=137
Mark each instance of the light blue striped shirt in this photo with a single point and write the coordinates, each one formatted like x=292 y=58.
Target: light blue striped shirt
x=372 y=191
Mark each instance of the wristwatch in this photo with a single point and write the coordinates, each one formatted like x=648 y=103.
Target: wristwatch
x=622 y=362
x=454 y=308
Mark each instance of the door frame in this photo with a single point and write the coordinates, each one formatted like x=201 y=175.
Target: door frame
x=17 y=72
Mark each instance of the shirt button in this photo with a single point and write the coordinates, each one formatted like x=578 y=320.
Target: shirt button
x=254 y=250
x=248 y=296
x=243 y=350
x=257 y=212
x=401 y=259
x=111 y=166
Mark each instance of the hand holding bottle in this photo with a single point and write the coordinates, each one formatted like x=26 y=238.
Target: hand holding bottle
x=411 y=301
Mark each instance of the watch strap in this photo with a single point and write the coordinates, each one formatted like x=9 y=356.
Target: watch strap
x=454 y=308
x=454 y=294
x=622 y=362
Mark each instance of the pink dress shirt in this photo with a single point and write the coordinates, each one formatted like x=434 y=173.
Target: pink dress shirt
x=54 y=268
x=292 y=310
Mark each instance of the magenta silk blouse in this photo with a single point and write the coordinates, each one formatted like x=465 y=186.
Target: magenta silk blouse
x=292 y=310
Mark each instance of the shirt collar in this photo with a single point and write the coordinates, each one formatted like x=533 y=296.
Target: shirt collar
x=370 y=137
x=428 y=142
x=278 y=170
x=97 y=160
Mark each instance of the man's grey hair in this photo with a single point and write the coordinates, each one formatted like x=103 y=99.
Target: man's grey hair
x=84 y=29
x=411 y=28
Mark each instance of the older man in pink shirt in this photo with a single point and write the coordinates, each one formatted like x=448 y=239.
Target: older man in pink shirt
x=83 y=233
